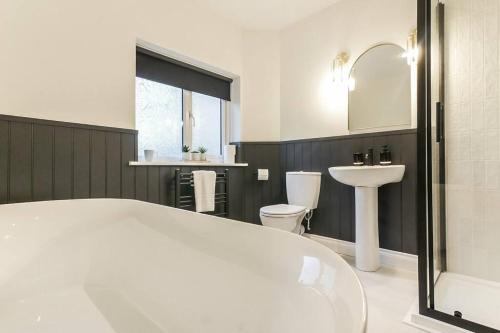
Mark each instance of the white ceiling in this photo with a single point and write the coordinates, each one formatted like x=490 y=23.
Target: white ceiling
x=265 y=14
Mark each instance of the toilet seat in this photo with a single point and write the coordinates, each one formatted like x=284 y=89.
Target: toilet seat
x=282 y=210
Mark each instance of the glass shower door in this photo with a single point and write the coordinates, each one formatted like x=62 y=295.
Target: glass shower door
x=463 y=148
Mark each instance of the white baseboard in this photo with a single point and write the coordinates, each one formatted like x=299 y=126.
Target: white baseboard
x=388 y=258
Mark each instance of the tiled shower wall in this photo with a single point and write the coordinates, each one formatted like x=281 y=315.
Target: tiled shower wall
x=473 y=140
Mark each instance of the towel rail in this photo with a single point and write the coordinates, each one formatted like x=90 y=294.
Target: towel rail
x=184 y=192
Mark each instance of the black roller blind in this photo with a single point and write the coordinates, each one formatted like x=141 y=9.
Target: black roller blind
x=159 y=68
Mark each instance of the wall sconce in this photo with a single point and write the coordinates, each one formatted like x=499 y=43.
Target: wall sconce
x=339 y=69
x=411 y=53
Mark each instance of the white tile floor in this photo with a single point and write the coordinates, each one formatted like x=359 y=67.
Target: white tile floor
x=390 y=294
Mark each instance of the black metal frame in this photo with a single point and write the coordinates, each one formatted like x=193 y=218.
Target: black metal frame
x=441 y=139
x=424 y=180
x=184 y=192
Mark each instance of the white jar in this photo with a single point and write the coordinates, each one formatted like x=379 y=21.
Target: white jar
x=149 y=155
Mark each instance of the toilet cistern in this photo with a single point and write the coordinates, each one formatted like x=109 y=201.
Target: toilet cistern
x=367 y=180
x=302 y=189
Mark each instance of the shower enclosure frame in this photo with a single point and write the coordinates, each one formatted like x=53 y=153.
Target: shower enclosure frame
x=425 y=228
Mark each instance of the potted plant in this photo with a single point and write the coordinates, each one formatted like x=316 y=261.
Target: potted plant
x=186 y=155
x=203 y=153
x=195 y=155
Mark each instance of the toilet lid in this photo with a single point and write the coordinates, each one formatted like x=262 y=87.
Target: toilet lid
x=282 y=209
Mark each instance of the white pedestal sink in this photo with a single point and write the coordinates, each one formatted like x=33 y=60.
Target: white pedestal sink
x=367 y=180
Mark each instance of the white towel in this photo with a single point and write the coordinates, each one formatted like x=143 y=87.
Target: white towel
x=204 y=190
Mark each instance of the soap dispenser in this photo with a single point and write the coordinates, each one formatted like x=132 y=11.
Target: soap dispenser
x=385 y=156
x=369 y=157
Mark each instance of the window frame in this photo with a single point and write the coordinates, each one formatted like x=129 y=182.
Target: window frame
x=187 y=125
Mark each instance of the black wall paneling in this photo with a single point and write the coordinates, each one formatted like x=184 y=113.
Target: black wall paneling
x=335 y=216
x=50 y=160
x=81 y=163
x=4 y=161
x=259 y=155
x=20 y=162
x=63 y=162
x=113 y=165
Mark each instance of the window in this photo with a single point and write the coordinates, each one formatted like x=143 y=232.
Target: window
x=168 y=118
x=158 y=118
x=178 y=104
x=206 y=123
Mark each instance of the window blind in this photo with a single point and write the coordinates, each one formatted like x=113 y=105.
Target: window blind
x=162 y=69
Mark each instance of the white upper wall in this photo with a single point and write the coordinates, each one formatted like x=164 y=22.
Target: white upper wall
x=74 y=60
x=310 y=104
x=261 y=88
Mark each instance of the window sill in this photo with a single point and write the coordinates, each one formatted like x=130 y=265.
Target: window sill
x=186 y=163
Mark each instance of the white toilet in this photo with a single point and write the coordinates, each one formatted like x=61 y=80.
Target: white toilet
x=302 y=189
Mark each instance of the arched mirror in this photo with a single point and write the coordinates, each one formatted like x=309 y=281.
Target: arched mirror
x=380 y=90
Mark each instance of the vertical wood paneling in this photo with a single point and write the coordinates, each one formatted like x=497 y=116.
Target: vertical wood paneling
x=153 y=175
x=63 y=163
x=409 y=195
x=282 y=168
x=390 y=218
x=128 y=151
x=141 y=183
x=164 y=183
x=113 y=165
x=98 y=165
x=265 y=153
x=290 y=157
x=43 y=158
x=20 y=176
x=323 y=216
x=297 y=157
x=306 y=156
x=81 y=164
x=236 y=190
x=275 y=170
x=4 y=162
x=249 y=207
x=335 y=216
x=334 y=189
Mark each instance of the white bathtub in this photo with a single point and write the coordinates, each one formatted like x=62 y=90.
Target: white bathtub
x=125 y=266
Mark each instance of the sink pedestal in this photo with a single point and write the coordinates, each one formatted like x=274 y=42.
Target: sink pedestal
x=367 y=246
x=367 y=180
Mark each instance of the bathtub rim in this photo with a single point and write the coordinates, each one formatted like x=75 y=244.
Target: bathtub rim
x=364 y=315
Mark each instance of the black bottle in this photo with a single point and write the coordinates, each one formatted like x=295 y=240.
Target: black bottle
x=357 y=159
x=369 y=157
x=385 y=156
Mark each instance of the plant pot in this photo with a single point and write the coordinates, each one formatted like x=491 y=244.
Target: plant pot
x=195 y=156
x=203 y=157
x=149 y=155
x=186 y=156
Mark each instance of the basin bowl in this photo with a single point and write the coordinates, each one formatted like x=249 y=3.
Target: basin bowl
x=368 y=176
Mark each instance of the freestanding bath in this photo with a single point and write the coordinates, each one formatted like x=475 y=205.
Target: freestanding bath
x=125 y=266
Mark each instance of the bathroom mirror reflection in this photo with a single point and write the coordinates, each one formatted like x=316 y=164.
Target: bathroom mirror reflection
x=380 y=90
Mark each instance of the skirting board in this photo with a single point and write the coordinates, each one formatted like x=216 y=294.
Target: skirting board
x=388 y=258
